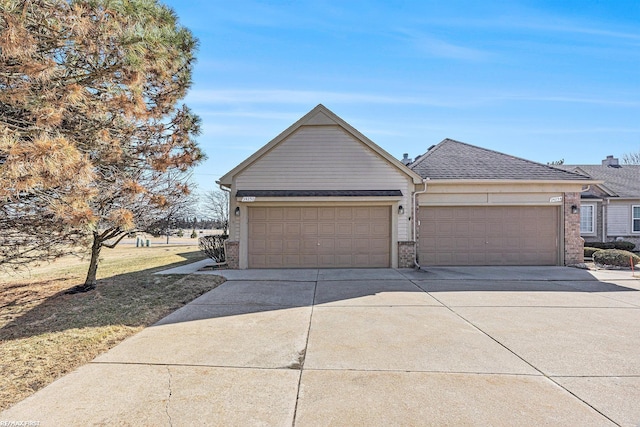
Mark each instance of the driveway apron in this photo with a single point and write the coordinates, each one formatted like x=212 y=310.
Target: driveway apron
x=449 y=346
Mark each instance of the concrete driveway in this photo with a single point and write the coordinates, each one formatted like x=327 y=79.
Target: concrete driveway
x=451 y=346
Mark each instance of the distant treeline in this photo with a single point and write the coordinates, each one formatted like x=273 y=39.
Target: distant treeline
x=196 y=223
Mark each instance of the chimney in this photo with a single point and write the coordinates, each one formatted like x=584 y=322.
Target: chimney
x=610 y=161
x=405 y=159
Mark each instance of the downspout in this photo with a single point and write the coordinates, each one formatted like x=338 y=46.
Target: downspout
x=415 y=221
x=605 y=212
x=228 y=190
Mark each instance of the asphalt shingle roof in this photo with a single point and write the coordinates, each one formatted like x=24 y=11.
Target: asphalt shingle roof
x=452 y=159
x=623 y=180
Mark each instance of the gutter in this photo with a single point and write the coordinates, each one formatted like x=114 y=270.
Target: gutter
x=415 y=220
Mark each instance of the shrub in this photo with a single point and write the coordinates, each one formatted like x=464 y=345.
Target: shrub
x=588 y=252
x=601 y=245
x=615 y=257
x=180 y=233
x=213 y=247
x=194 y=234
x=622 y=245
x=625 y=246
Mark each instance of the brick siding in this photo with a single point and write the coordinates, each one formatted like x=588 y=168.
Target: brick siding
x=573 y=243
x=232 y=251
x=406 y=254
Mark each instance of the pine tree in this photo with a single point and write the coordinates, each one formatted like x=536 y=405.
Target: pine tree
x=90 y=126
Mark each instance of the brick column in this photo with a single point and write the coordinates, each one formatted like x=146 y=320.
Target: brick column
x=573 y=243
x=406 y=254
x=232 y=251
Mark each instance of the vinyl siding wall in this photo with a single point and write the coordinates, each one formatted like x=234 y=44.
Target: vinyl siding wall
x=619 y=219
x=325 y=158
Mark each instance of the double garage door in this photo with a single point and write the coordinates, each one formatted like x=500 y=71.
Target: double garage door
x=319 y=237
x=489 y=235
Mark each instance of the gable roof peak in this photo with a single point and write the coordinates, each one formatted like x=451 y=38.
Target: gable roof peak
x=319 y=115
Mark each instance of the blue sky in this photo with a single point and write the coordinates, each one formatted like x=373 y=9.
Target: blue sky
x=543 y=80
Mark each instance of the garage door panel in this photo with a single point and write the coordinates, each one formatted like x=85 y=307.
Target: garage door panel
x=475 y=258
x=326 y=214
x=307 y=261
x=489 y=235
x=309 y=230
x=292 y=245
x=260 y=261
x=344 y=229
x=311 y=237
x=275 y=246
x=258 y=214
x=260 y=245
x=309 y=214
x=326 y=229
x=275 y=229
x=258 y=229
x=326 y=246
x=309 y=246
x=378 y=245
x=476 y=227
x=361 y=230
x=293 y=214
x=291 y=259
x=344 y=214
x=292 y=229
x=476 y=244
x=344 y=245
x=276 y=214
x=377 y=229
x=360 y=214
x=343 y=260
x=326 y=260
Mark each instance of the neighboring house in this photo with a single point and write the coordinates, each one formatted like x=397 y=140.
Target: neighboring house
x=610 y=210
x=322 y=195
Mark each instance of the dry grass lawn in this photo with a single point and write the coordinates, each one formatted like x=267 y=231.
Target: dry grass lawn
x=45 y=333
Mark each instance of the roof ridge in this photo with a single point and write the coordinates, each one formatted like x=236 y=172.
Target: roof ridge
x=450 y=140
x=429 y=151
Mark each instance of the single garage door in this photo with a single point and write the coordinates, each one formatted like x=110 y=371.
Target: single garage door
x=319 y=237
x=489 y=235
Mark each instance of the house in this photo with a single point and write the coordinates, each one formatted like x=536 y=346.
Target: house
x=610 y=210
x=323 y=195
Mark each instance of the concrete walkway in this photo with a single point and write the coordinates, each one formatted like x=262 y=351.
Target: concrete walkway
x=454 y=346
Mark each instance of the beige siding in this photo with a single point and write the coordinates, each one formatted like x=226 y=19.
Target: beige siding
x=452 y=199
x=618 y=220
x=326 y=158
x=234 y=221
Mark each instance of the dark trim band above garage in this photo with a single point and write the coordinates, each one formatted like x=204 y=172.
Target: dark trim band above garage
x=318 y=193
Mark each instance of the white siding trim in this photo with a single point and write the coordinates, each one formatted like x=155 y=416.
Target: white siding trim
x=634 y=218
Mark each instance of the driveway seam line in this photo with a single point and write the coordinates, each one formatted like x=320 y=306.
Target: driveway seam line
x=417 y=371
x=193 y=365
x=526 y=361
x=306 y=346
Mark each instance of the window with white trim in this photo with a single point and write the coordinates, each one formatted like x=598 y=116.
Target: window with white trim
x=635 y=219
x=587 y=219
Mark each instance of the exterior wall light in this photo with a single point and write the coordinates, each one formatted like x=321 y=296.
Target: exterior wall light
x=237 y=211
x=400 y=210
x=574 y=209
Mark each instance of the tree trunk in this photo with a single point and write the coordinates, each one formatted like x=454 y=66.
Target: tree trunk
x=90 y=281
